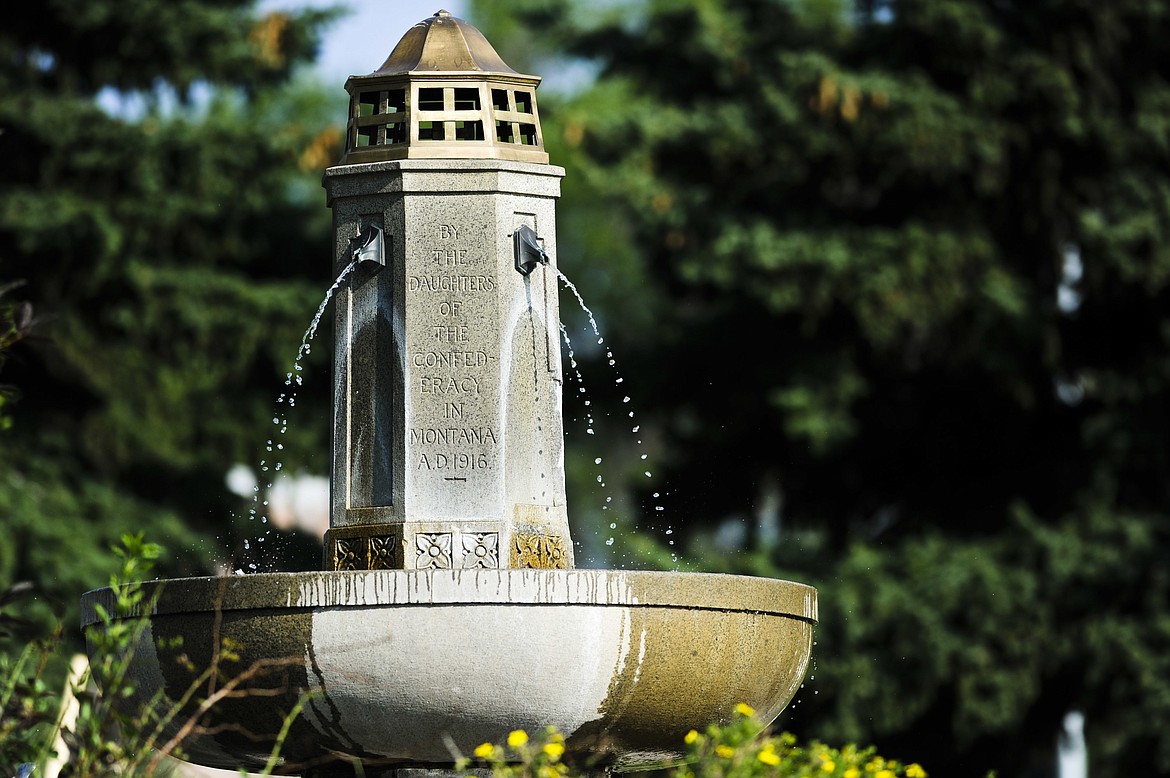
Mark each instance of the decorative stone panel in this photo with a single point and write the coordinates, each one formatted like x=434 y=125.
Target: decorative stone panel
x=481 y=549
x=364 y=547
x=546 y=552
x=433 y=550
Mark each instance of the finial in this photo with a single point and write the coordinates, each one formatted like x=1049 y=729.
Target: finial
x=443 y=13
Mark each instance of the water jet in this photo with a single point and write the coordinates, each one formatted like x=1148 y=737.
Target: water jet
x=449 y=610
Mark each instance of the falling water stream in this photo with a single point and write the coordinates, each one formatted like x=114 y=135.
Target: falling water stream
x=589 y=428
x=287 y=399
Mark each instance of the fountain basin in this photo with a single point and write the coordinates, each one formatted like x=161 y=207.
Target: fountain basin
x=410 y=667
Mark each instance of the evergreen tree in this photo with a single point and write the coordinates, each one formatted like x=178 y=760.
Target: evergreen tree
x=175 y=246
x=891 y=283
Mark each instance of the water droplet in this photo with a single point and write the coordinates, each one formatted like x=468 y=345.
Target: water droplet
x=669 y=531
x=647 y=473
x=625 y=399
x=635 y=429
x=618 y=381
x=609 y=542
x=613 y=525
x=643 y=456
x=598 y=479
x=597 y=461
x=589 y=431
x=656 y=494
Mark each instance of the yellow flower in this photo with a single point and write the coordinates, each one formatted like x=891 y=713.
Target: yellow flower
x=744 y=709
x=885 y=774
x=768 y=756
x=553 y=750
x=852 y=772
x=691 y=737
x=484 y=750
x=828 y=766
x=915 y=771
x=519 y=737
x=725 y=751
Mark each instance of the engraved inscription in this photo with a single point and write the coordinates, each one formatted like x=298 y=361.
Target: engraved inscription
x=462 y=284
x=450 y=334
x=452 y=359
x=450 y=257
x=448 y=385
x=453 y=436
x=461 y=460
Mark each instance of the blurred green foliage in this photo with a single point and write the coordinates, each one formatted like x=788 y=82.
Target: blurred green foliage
x=888 y=285
x=160 y=202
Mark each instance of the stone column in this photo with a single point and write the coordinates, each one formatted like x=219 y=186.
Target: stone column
x=447 y=442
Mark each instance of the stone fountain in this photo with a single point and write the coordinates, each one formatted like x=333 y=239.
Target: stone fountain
x=449 y=611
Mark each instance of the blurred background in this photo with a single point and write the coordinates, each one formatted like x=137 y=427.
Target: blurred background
x=886 y=285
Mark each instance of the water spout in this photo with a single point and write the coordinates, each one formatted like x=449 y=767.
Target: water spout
x=368 y=246
x=529 y=252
